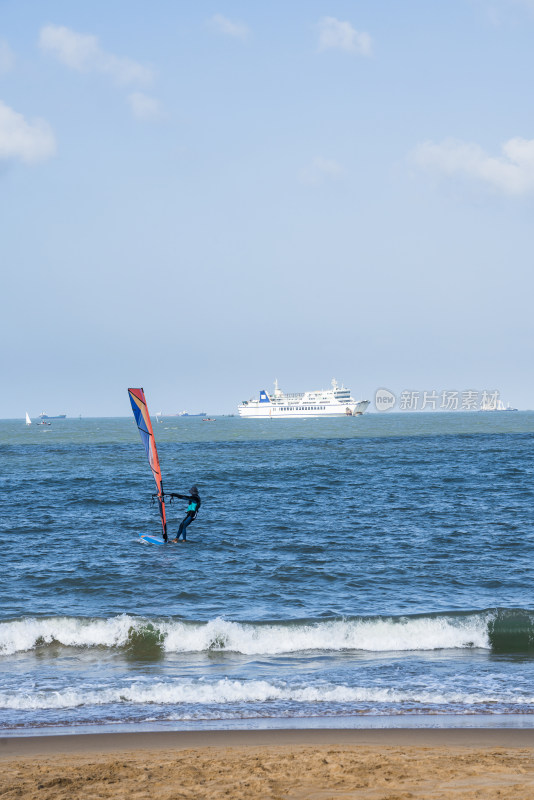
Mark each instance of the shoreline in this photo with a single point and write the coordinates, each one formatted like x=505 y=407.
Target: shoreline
x=473 y=721
x=20 y=746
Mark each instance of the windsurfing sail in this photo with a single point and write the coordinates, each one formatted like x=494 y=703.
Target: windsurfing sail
x=142 y=418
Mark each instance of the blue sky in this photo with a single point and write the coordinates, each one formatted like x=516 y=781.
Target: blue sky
x=197 y=198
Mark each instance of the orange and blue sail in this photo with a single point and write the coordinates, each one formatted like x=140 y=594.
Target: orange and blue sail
x=142 y=418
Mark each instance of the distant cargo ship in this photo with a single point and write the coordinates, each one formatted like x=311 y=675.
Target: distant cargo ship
x=58 y=416
x=334 y=402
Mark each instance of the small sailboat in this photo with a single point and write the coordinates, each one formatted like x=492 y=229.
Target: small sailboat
x=28 y=420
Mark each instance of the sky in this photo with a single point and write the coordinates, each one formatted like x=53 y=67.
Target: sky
x=198 y=198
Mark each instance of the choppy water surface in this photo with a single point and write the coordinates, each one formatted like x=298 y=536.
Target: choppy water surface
x=381 y=565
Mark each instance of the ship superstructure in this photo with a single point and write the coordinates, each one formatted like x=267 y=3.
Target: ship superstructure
x=334 y=402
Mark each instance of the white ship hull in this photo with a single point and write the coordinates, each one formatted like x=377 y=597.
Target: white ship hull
x=335 y=402
x=294 y=413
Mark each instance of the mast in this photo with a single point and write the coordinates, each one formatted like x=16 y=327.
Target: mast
x=144 y=425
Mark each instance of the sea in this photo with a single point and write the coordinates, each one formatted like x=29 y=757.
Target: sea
x=356 y=572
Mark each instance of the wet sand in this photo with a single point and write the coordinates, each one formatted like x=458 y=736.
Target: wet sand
x=293 y=765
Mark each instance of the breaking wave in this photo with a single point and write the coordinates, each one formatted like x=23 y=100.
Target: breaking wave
x=227 y=692
x=502 y=630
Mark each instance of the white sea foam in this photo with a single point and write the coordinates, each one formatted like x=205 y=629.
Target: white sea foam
x=28 y=633
x=428 y=633
x=225 y=692
x=372 y=634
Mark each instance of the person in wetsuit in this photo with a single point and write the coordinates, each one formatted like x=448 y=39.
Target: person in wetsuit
x=192 y=511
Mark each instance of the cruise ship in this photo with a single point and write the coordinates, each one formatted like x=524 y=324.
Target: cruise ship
x=334 y=402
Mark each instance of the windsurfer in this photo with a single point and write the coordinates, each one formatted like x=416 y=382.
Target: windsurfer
x=192 y=510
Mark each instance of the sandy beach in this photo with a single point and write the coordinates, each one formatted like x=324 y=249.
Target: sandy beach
x=293 y=765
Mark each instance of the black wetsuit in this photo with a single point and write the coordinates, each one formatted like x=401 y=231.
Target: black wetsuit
x=192 y=511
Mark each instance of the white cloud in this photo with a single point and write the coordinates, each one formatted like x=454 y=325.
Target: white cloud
x=223 y=25
x=502 y=12
x=27 y=141
x=319 y=171
x=528 y=4
x=511 y=173
x=82 y=52
x=144 y=107
x=7 y=59
x=338 y=35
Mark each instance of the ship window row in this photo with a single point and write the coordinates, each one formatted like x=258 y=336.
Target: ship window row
x=302 y=408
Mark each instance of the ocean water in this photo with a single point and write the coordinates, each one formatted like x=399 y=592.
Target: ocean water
x=368 y=568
